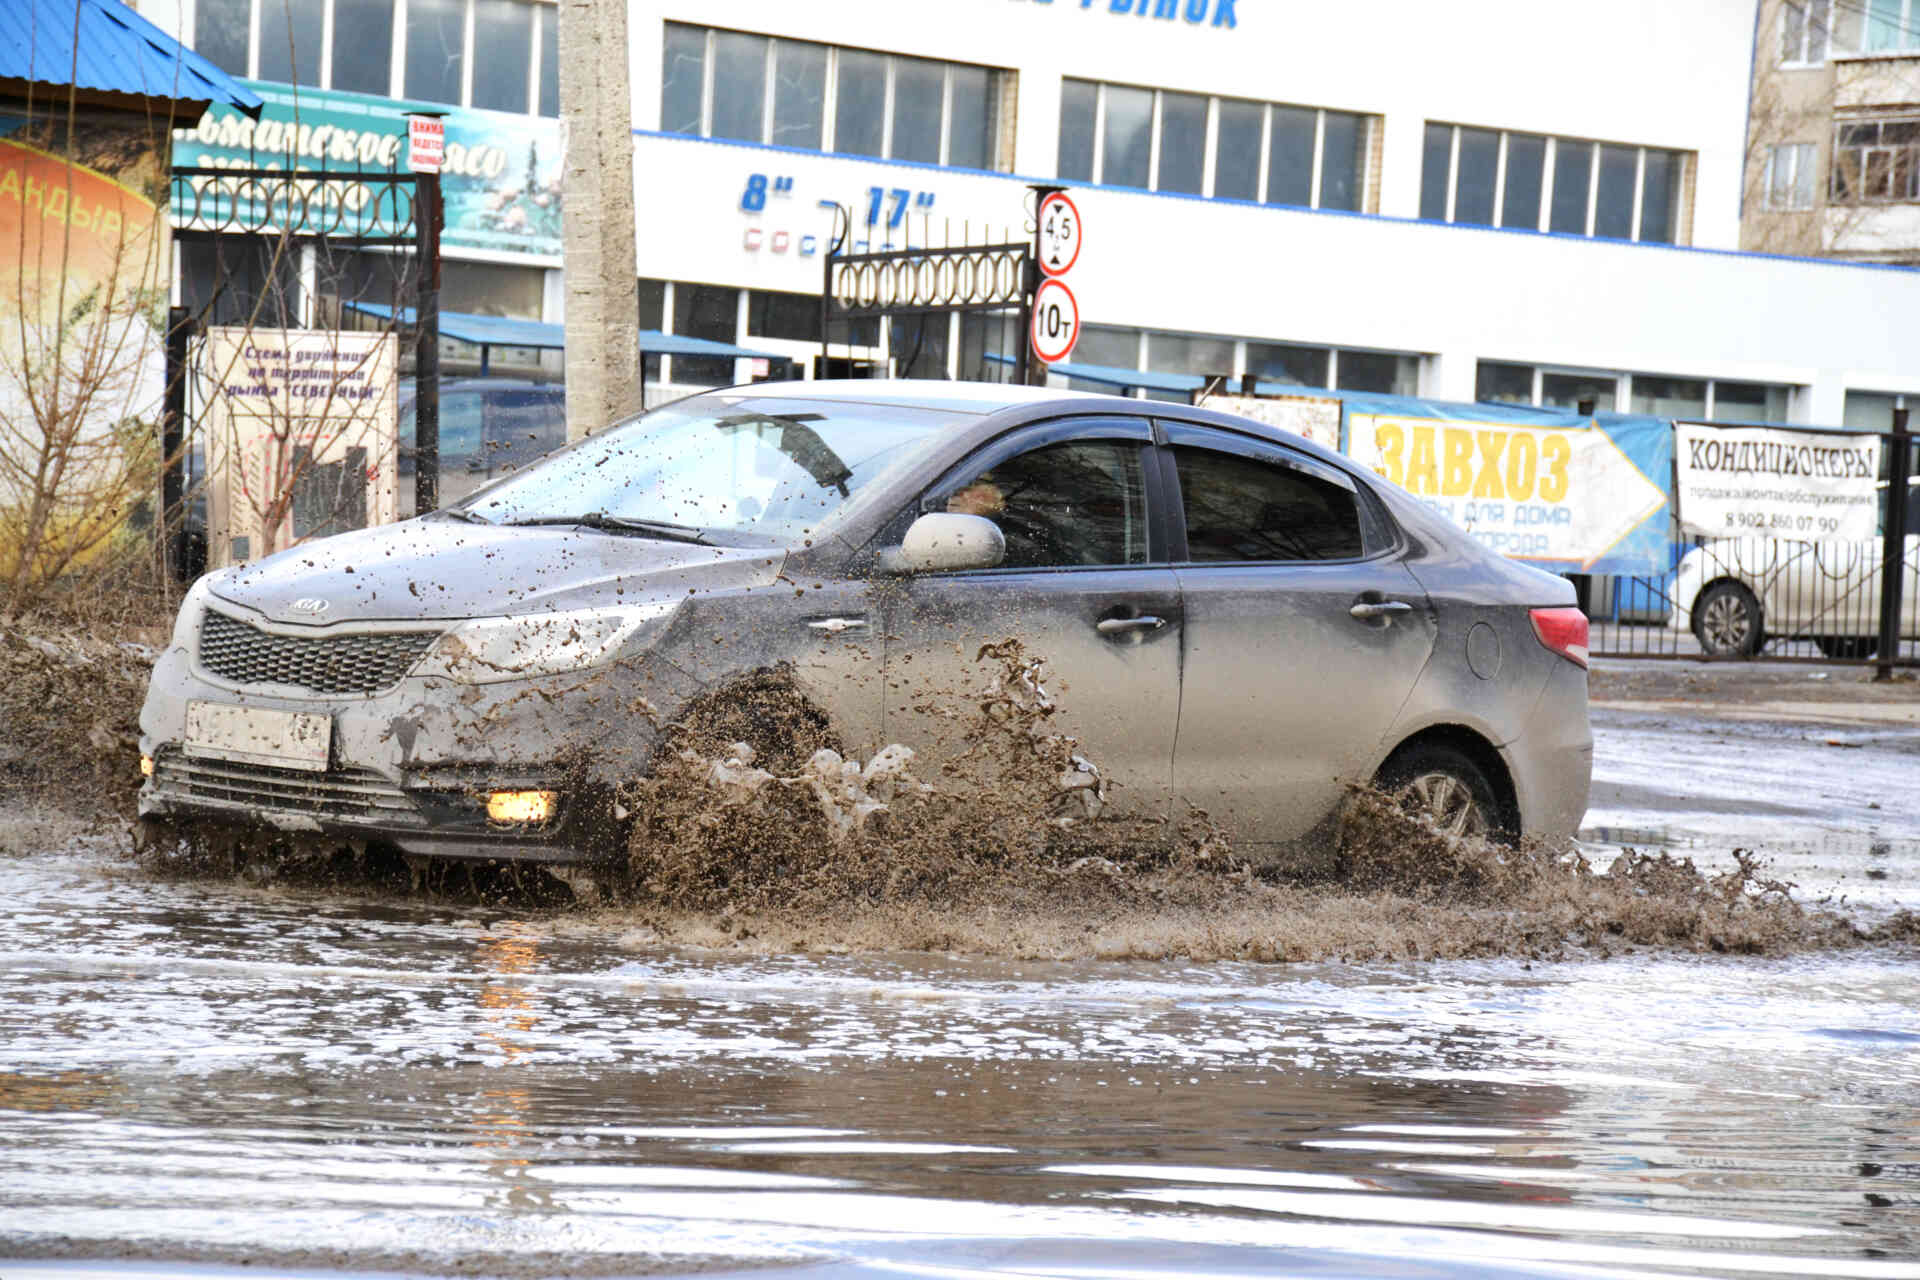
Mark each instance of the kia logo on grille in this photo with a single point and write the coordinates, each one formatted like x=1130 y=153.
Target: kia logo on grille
x=309 y=606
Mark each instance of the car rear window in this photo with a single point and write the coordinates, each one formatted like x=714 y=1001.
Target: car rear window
x=1239 y=509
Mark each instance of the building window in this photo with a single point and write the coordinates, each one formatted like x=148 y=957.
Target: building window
x=1496 y=383
x=1206 y=355
x=1158 y=140
x=436 y=50
x=1187 y=353
x=711 y=312
x=290 y=41
x=1876 y=26
x=1789 y=179
x=1524 y=182
x=1813 y=30
x=1381 y=371
x=499 y=55
x=990 y=345
x=1876 y=161
x=548 y=90
x=1803 y=32
x=503 y=46
x=220 y=30
x=1656 y=395
x=816 y=97
x=1668 y=397
x=1750 y=402
x=653 y=304
x=1870 y=410
x=792 y=316
x=1281 y=362
x=919 y=345
x=363 y=45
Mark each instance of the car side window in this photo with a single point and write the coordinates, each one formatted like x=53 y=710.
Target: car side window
x=1080 y=502
x=1239 y=508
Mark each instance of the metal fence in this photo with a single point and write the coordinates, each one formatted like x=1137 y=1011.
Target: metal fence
x=1777 y=598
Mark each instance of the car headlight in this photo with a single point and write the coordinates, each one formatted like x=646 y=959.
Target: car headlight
x=521 y=646
x=186 y=623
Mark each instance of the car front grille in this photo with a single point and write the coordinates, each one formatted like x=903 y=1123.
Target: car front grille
x=361 y=662
x=353 y=794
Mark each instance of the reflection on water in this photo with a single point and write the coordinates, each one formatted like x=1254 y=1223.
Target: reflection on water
x=511 y=950
x=223 y=1074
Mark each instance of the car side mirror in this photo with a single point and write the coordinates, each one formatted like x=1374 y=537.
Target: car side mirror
x=941 y=541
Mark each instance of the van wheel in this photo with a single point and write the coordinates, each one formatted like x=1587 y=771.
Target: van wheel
x=1726 y=621
x=1444 y=787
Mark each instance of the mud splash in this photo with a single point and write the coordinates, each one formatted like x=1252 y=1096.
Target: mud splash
x=752 y=807
x=758 y=833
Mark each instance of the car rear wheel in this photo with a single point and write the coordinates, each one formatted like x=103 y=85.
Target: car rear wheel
x=1443 y=787
x=1726 y=621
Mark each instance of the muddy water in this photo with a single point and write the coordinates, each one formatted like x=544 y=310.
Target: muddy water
x=230 y=1074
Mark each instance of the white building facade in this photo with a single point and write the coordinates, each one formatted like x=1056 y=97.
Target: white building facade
x=1507 y=201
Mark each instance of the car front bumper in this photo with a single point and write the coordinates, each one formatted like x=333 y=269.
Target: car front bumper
x=413 y=766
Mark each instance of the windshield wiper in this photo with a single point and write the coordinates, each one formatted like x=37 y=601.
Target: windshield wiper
x=664 y=529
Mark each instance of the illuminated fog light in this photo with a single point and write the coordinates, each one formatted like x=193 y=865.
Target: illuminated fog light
x=146 y=766
x=522 y=806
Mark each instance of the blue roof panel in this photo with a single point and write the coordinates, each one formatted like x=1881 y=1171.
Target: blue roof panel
x=105 y=46
x=499 y=331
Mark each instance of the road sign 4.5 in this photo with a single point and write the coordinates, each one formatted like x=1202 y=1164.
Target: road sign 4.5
x=1059 y=234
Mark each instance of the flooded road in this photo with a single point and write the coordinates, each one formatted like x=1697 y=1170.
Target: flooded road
x=233 y=1075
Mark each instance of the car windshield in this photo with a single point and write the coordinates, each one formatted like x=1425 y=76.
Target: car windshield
x=746 y=468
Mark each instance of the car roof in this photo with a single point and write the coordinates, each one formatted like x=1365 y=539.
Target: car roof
x=923 y=393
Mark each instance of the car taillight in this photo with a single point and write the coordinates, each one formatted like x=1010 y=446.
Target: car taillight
x=1563 y=630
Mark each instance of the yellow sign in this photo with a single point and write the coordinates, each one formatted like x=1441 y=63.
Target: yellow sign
x=1562 y=494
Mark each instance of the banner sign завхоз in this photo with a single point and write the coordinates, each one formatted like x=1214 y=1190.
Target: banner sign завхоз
x=1576 y=499
x=1750 y=481
x=500 y=181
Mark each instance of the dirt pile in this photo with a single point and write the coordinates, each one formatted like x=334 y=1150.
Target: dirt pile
x=70 y=716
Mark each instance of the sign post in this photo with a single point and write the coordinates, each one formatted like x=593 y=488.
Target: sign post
x=426 y=150
x=1893 y=565
x=1051 y=316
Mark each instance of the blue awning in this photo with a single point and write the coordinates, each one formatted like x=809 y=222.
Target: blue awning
x=104 y=46
x=499 y=331
x=655 y=343
x=1113 y=376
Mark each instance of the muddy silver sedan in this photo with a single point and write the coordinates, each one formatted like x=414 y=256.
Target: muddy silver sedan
x=1233 y=620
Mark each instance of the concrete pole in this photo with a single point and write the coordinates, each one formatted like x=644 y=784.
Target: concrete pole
x=602 y=317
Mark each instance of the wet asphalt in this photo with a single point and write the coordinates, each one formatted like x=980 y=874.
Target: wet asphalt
x=215 y=1076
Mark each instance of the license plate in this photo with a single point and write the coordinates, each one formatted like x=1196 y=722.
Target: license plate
x=256 y=735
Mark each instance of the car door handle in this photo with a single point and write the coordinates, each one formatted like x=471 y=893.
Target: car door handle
x=834 y=626
x=1370 y=609
x=1121 y=626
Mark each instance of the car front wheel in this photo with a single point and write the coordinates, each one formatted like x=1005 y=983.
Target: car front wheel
x=1726 y=621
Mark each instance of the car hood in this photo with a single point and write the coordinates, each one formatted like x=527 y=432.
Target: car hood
x=447 y=569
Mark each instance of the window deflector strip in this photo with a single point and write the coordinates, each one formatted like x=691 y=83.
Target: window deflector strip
x=1179 y=433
